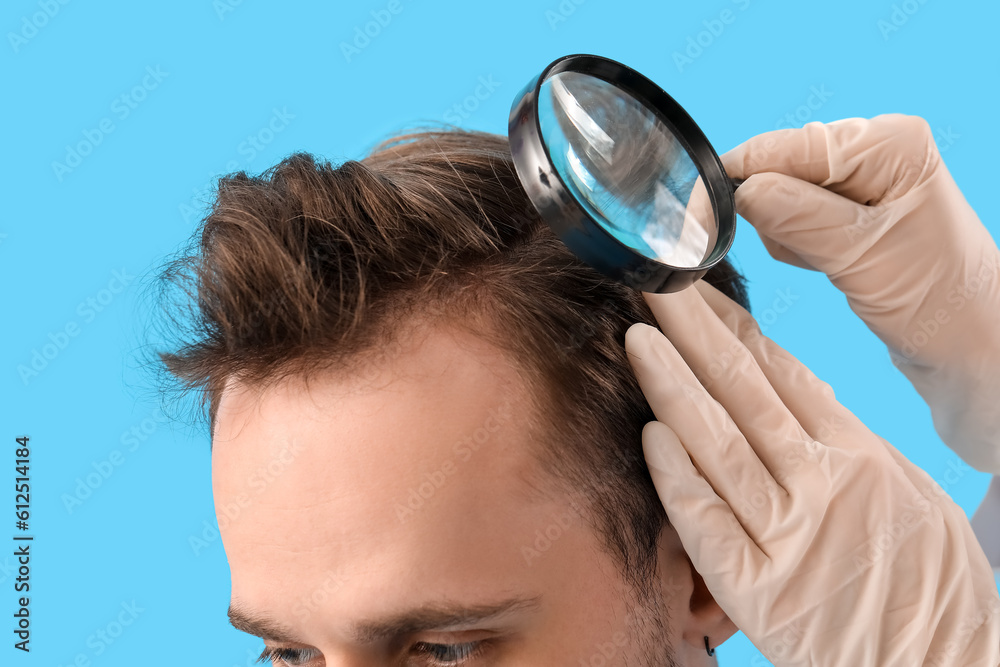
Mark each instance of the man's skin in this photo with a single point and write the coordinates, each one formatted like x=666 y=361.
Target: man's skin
x=326 y=545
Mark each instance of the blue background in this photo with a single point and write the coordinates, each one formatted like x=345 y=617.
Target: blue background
x=225 y=68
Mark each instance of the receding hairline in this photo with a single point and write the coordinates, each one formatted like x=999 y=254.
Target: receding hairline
x=531 y=388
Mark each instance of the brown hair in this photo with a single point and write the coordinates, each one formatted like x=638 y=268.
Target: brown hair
x=309 y=265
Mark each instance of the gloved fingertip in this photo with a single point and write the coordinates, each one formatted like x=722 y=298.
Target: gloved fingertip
x=746 y=193
x=639 y=346
x=637 y=329
x=637 y=336
x=770 y=196
x=663 y=449
x=733 y=161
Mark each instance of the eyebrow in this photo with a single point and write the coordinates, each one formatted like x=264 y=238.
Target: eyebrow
x=430 y=617
x=258 y=625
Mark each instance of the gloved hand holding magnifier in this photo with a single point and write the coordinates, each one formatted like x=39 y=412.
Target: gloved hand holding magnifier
x=622 y=173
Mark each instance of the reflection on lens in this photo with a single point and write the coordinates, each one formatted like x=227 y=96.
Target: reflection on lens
x=627 y=169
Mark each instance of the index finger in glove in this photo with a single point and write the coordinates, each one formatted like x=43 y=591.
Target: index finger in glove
x=727 y=369
x=678 y=399
x=868 y=161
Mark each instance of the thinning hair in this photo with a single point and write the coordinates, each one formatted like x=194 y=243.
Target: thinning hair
x=309 y=265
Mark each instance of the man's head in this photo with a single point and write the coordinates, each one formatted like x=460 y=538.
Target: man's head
x=421 y=404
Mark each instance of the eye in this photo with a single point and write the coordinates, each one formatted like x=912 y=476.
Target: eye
x=290 y=657
x=447 y=655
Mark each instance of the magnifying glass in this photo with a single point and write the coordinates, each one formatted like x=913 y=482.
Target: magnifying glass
x=622 y=173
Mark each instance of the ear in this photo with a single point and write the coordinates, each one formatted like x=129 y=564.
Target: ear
x=707 y=618
x=694 y=613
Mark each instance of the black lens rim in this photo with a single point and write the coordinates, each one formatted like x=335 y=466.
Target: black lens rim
x=584 y=235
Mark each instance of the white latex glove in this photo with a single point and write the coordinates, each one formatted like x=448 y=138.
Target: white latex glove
x=822 y=543
x=871 y=204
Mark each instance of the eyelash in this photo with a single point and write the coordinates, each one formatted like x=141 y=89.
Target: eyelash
x=296 y=657
x=293 y=657
x=468 y=651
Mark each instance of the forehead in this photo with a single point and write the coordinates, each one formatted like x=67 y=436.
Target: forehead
x=412 y=472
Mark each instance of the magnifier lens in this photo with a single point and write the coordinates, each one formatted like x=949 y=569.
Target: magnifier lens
x=622 y=174
x=626 y=167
